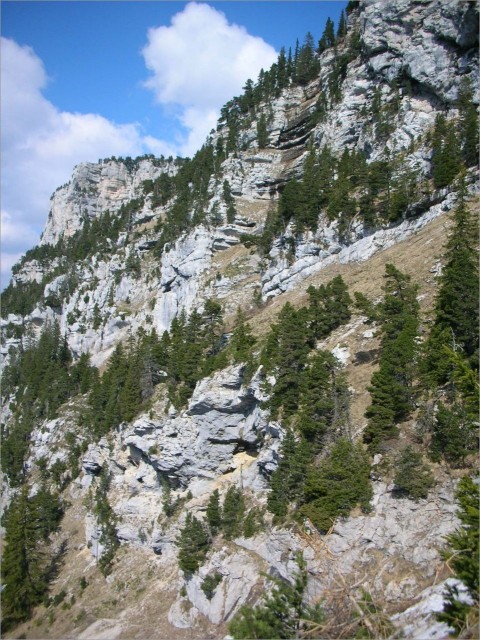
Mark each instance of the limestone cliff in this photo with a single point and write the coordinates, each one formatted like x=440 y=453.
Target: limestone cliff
x=409 y=58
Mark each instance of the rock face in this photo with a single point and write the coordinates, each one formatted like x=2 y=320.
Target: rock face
x=223 y=418
x=284 y=274
x=447 y=28
x=404 y=531
x=225 y=435
x=95 y=188
x=430 y=45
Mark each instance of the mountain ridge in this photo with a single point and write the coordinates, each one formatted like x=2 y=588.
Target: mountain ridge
x=351 y=176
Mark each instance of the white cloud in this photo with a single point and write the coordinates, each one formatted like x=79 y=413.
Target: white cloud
x=41 y=145
x=198 y=63
x=16 y=236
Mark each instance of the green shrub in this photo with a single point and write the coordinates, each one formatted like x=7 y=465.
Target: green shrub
x=210 y=583
x=340 y=482
x=193 y=543
x=463 y=556
x=282 y=614
x=413 y=478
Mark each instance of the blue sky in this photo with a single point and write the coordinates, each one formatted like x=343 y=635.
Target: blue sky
x=85 y=80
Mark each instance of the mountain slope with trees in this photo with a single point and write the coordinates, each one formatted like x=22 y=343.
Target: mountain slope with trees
x=226 y=385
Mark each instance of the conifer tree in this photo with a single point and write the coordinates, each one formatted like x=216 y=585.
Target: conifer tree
x=463 y=556
x=262 y=132
x=289 y=349
x=317 y=397
x=337 y=303
x=214 y=512
x=328 y=36
x=281 y=614
x=168 y=504
x=193 y=544
x=342 y=26
x=287 y=481
x=282 y=70
x=307 y=65
x=130 y=397
x=339 y=483
x=391 y=387
x=457 y=303
x=242 y=339
x=468 y=125
x=23 y=562
x=229 y=201
x=107 y=520
x=41 y=378
x=232 y=513
x=445 y=152
x=413 y=478
x=329 y=307
x=451 y=350
x=365 y=307
x=307 y=211
x=453 y=434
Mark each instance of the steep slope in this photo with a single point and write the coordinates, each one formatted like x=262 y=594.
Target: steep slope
x=333 y=164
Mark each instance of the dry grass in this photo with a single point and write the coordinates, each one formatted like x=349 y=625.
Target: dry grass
x=415 y=256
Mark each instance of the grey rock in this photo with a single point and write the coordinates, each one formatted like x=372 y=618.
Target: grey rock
x=95 y=457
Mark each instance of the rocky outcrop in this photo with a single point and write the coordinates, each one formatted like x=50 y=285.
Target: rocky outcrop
x=437 y=33
x=316 y=252
x=399 y=534
x=95 y=188
x=419 y=621
x=223 y=418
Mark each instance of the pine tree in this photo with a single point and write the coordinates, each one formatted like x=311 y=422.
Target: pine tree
x=453 y=434
x=288 y=359
x=317 y=398
x=328 y=37
x=463 y=556
x=342 y=26
x=262 y=132
x=48 y=510
x=233 y=512
x=339 y=483
x=307 y=65
x=23 y=563
x=229 y=201
x=214 y=512
x=169 y=506
x=413 y=478
x=307 y=210
x=329 y=307
x=289 y=201
x=287 y=481
x=445 y=152
x=113 y=382
x=242 y=339
x=283 y=72
x=130 y=397
x=107 y=520
x=338 y=301
x=468 y=125
x=282 y=612
x=253 y=522
x=391 y=386
x=41 y=378
x=365 y=307
x=457 y=304
x=193 y=544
